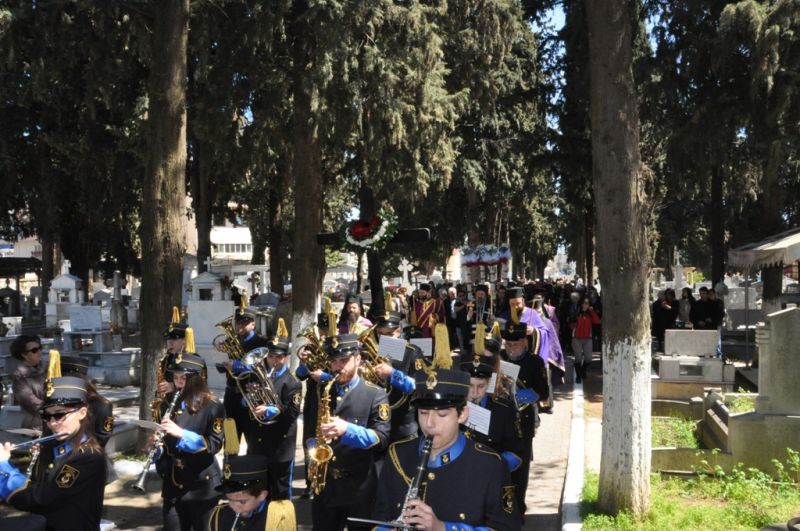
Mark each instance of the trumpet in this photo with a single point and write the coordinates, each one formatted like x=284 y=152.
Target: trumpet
x=256 y=384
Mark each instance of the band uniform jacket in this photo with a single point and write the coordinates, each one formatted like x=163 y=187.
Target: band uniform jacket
x=451 y=488
x=404 y=417
x=503 y=436
x=277 y=440
x=68 y=490
x=222 y=518
x=192 y=475
x=532 y=375
x=102 y=413
x=365 y=405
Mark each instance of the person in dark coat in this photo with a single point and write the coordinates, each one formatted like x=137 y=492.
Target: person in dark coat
x=28 y=378
x=467 y=485
x=665 y=312
x=68 y=480
x=276 y=435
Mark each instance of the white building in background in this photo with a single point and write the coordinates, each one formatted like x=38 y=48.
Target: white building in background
x=232 y=244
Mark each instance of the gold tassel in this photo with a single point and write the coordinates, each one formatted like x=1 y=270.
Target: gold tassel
x=54 y=365
x=332 y=328
x=480 y=338
x=328 y=308
x=514 y=315
x=231 y=437
x=412 y=320
x=281 y=516
x=190 y=347
x=388 y=302
x=441 y=350
x=282 y=331
x=176 y=315
x=496 y=330
x=243 y=301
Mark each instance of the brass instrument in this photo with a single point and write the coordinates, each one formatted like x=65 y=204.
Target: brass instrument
x=161 y=375
x=371 y=359
x=320 y=453
x=316 y=359
x=157 y=444
x=228 y=341
x=256 y=384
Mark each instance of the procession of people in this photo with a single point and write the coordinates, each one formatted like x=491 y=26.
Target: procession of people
x=392 y=437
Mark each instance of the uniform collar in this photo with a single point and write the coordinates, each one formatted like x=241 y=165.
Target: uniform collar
x=343 y=389
x=249 y=336
x=65 y=448
x=278 y=374
x=258 y=510
x=484 y=401
x=448 y=455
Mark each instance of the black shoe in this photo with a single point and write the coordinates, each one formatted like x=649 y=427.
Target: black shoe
x=584 y=368
x=578 y=372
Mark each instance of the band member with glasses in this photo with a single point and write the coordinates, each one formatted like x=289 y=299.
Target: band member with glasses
x=68 y=480
x=28 y=378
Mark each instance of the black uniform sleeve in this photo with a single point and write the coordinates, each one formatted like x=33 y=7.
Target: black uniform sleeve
x=380 y=418
x=500 y=504
x=75 y=480
x=291 y=400
x=214 y=435
x=103 y=413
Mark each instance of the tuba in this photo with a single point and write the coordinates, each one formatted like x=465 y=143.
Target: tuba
x=256 y=384
x=320 y=453
x=371 y=357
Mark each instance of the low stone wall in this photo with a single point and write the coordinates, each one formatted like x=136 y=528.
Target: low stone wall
x=688 y=409
x=688 y=460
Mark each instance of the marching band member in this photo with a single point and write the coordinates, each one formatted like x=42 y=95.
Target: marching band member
x=193 y=435
x=358 y=429
x=175 y=336
x=101 y=410
x=277 y=439
x=68 y=480
x=453 y=500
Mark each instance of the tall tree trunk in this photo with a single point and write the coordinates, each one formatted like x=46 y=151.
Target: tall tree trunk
x=202 y=201
x=47 y=269
x=773 y=224
x=276 y=229
x=623 y=255
x=717 y=227
x=589 y=244
x=163 y=228
x=307 y=258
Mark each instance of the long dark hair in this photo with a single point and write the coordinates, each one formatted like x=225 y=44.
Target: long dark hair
x=195 y=394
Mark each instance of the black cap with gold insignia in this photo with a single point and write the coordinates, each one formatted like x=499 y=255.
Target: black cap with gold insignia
x=513 y=331
x=64 y=391
x=477 y=368
x=412 y=332
x=189 y=362
x=341 y=345
x=74 y=365
x=389 y=320
x=440 y=389
x=175 y=331
x=245 y=315
x=242 y=472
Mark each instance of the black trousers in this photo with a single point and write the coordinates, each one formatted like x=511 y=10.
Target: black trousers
x=520 y=476
x=279 y=478
x=335 y=518
x=187 y=515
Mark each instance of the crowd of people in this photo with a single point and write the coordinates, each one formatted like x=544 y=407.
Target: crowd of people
x=706 y=312
x=370 y=420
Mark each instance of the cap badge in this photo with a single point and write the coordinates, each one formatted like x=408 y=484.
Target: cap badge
x=431 y=381
x=50 y=388
x=226 y=471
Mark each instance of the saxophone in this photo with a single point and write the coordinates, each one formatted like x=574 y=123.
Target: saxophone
x=320 y=453
x=161 y=375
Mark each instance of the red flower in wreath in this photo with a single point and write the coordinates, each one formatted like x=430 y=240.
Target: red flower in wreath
x=361 y=230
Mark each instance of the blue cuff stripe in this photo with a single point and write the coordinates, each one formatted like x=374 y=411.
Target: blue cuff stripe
x=11 y=479
x=359 y=437
x=191 y=442
x=399 y=380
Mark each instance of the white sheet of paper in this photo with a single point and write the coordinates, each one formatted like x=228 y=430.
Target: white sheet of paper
x=492 y=383
x=392 y=347
x=479 y=418
x=509 y=369
x=425 y=343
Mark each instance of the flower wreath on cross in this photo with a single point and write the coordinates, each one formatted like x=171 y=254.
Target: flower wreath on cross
x=370 y=235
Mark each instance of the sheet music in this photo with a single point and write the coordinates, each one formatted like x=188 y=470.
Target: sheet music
x=479 y=418
x=147 y=424
x=508 y=369
x=392 y=347
x=425 y=343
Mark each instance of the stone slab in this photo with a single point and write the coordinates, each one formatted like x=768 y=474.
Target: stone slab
x=203 y=315
x=700 y=343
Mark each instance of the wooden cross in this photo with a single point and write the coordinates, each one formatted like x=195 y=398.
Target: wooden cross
x=416 y=235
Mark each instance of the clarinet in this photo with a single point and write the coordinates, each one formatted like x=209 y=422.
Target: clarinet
x=157 y=444
x=413 y=488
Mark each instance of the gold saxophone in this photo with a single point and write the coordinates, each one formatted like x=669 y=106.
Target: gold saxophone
x=320 y=453
x=161 y=375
